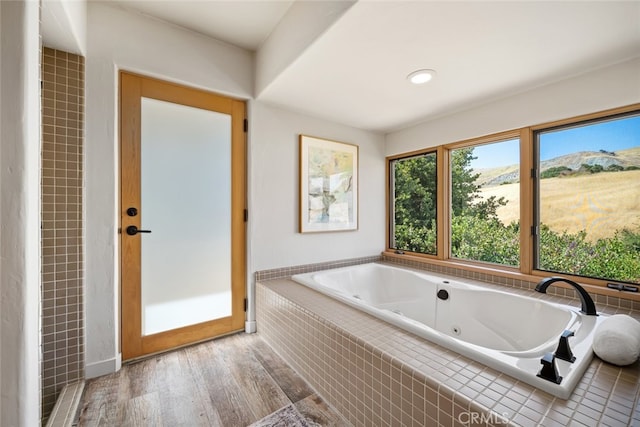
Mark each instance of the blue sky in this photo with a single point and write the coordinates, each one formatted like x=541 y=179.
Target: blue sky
x=499 y=154
x=611 y=136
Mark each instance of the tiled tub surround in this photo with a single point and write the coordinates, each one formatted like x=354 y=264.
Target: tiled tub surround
x=280 y=273
x=377 y=374
x=505 y=331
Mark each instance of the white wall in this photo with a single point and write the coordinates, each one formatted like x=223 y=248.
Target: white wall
x=606 y=88
x=121 y=40
x=19 y=213
x=274 y=195
x=274 y=201
x=64 y=25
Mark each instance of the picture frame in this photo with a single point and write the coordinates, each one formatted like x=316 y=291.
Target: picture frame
x=328 y=185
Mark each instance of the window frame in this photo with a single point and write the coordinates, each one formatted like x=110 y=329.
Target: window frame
x=590 y=119
x=390 y=192
x=489 y=139
x=528 y=205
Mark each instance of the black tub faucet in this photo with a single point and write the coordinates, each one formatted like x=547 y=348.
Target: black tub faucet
x=588 y=307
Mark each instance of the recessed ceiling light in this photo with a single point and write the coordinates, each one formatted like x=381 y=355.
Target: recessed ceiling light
x=419 y=77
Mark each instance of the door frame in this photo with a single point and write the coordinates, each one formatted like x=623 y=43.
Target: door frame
x=132 y=88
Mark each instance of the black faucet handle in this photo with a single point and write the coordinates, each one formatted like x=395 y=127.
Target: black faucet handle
x=549 y=370
x=563 y=352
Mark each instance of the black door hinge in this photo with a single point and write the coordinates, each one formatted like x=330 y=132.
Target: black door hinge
x=246 y=215
x=245 y=304
x=534 y=230
x=246 y=125
x=533 y=173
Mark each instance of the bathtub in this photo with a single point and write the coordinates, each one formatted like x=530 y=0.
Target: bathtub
x=507 y=332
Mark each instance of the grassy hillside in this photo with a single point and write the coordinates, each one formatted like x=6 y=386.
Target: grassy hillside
x=624 y=158
x=601 y=211
x=509 y=174
x=498 y=176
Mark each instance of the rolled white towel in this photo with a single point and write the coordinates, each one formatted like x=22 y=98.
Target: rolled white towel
x=617 y=340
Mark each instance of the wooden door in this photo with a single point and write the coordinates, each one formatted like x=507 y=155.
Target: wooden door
x=182 y=215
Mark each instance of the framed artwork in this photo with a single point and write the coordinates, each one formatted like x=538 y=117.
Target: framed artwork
x=328 y=185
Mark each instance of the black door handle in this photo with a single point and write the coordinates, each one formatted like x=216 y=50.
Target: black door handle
x=132 y=230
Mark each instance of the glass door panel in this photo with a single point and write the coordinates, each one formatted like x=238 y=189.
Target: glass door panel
x=186 y=203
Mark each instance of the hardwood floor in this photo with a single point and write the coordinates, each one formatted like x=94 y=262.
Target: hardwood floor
x=228 y=382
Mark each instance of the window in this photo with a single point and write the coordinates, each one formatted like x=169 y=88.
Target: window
x=559 y=198
x=485 y=202
x=414 y=200
x=588 y=191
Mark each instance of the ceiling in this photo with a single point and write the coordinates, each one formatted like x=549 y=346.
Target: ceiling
x=243 y=23
x=354 y=70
